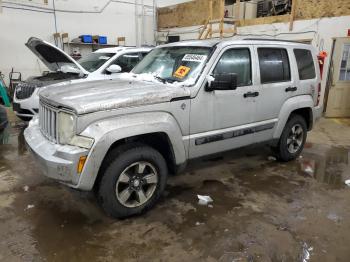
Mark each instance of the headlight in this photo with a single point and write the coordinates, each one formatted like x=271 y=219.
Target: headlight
x=66 y=127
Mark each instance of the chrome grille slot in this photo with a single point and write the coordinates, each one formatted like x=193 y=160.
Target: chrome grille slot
x=24 y=90
x=48 y=121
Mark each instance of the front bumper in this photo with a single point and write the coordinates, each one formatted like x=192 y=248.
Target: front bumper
x=27 y=107
x=56 y=161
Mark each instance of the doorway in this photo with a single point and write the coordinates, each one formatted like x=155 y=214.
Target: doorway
x=338 y=103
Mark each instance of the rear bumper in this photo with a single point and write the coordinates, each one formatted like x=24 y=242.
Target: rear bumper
x=317 y=113
x=56 y=161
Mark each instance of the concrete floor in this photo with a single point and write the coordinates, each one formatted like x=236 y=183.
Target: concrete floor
x=262 y=210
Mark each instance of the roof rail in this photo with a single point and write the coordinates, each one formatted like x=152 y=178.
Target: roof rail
x=273 y=39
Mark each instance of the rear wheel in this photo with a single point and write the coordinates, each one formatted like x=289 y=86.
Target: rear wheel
x=133 y=180
x=292 y=140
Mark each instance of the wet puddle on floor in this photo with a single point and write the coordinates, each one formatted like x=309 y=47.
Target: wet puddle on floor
x=228 y=180
x=65 y=223
x=12 y=131
x=224 y=200
x=327 y=165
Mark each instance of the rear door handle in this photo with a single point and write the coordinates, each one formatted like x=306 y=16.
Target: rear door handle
x=291 y=89
x=251 y=94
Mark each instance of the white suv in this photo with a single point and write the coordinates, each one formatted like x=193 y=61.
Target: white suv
x=183 y=101
x=104 y=63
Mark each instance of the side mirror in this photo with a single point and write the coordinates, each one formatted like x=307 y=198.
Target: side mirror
x=222 y=82
x=114 y=69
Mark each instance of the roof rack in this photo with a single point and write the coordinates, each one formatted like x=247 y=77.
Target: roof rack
x=272 y=39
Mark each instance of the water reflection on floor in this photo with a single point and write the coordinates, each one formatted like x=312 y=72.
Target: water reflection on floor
x=328 y=167
x=5 y=135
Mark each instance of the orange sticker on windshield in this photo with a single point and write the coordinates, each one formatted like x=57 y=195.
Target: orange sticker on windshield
x=181 y=72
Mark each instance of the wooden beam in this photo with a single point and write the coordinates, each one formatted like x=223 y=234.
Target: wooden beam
x=210 y=18
x=203 y=29
x=264 y=20
x=222 y=16
x=292 y=15
x=217 y=31
x=238 y=9
x=209 y=32
x=225 y=31
x=230 y=30
x=226 y=21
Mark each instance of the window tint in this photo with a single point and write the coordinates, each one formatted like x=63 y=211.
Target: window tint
x=274 y=65
x=305 y=64
x=236 y=61
x=127 y=61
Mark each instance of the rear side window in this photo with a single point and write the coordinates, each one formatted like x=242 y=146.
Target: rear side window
x=236 y=61
x=274 y=65
x=306 y=67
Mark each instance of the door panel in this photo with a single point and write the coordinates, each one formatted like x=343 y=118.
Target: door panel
x=307 y=71
x=222 y=120
x=338 y=104
x=276 y=75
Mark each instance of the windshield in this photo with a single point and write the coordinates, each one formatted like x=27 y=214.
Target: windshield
x=174 y=64
x=94 y=61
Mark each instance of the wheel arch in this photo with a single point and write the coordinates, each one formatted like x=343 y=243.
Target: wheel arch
x=157 y=129
x=300 y=105
x=158 y=140
x=306 y=113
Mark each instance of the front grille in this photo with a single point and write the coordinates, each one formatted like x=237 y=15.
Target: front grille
x=48 y=121
x=24 y=90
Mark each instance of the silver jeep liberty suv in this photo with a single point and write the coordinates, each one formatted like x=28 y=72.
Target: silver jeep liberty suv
x=185 y=100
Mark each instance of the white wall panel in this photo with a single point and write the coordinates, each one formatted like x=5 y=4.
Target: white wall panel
x=21 y=19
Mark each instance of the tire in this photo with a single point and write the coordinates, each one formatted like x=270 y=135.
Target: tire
x=125 y=189
x=291 y=144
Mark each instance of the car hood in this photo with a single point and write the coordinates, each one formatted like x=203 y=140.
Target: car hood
x=101 y=95
x=53 y=57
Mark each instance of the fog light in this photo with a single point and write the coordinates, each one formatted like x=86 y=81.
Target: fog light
x=81 y=163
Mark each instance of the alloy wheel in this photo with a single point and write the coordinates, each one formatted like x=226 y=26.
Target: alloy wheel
x=295 y=138
x=136 y=184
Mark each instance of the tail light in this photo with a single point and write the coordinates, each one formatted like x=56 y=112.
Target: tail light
x=321 y=60
x=318 y=94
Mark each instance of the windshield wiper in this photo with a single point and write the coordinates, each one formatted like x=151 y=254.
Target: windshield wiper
x=160 y=79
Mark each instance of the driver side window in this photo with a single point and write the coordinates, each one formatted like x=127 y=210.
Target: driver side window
x=237 y=61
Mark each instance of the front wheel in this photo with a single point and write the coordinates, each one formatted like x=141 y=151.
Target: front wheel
x=292 y=140
x=133 y=181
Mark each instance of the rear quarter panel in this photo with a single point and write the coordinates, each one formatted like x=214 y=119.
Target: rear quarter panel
x=292 y=104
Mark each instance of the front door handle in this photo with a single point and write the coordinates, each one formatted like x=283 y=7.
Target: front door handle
x=251 y=94
x=291 y=89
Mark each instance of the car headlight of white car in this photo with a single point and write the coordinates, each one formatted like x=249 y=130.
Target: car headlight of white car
x=67 y=132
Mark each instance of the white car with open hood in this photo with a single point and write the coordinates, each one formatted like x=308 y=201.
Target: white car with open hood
x=104 y=63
